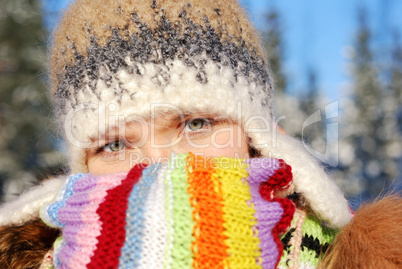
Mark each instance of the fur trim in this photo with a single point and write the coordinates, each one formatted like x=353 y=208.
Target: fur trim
x=222 y=95
x=27 y=206
x=373 y=238
x=25 y=246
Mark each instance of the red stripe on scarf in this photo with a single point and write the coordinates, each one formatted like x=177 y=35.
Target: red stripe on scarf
x=112 y=214
x=280 y=179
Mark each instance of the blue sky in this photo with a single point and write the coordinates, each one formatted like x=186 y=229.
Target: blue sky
x=316 y=35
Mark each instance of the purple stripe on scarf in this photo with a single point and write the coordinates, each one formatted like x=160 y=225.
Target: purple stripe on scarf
x=72 y=214
x=79 y=212
x=268 y=214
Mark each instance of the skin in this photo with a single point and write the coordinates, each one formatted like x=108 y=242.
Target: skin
x=155 y=139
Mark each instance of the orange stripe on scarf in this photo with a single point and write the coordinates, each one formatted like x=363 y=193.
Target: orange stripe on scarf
x=209 y=247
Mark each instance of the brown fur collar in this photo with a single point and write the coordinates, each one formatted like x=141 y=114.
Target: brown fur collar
x=373 y=239
x=24 y=246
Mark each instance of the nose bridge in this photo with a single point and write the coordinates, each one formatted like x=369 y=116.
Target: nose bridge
x=153 y=152
x=161 y=141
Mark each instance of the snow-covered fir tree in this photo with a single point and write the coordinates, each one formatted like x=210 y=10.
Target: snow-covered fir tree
x=394 y=147
x=367 y=146
x=27 y=139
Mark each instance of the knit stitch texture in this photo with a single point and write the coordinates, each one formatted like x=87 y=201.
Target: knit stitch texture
x=193 y=212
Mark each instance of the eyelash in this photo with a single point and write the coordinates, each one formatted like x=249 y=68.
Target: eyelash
x=206 y=126
x=110 y=154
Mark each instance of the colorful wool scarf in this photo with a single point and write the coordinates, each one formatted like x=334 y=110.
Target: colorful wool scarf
x=192 y=212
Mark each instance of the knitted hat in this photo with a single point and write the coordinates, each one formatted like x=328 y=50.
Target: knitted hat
x=189 y=213
x=119 y=58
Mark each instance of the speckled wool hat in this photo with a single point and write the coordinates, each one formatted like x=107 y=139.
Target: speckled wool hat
x=118 y=58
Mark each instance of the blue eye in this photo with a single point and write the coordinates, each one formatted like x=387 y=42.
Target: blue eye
x=114 y=146
x=196 y=124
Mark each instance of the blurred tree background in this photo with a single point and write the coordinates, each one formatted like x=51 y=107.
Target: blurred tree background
x=370 y=129
x=370 y=132
x=28 y=144
x=370 y=122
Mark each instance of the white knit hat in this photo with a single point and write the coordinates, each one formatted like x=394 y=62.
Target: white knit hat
x=120 y=58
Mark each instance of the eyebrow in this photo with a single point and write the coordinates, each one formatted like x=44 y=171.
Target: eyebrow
x=112 y=132
x=179 y=117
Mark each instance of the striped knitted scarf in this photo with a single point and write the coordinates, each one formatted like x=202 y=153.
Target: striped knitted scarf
x=192 y=212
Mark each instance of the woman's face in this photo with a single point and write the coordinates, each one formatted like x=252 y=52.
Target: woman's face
x=156 y=139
